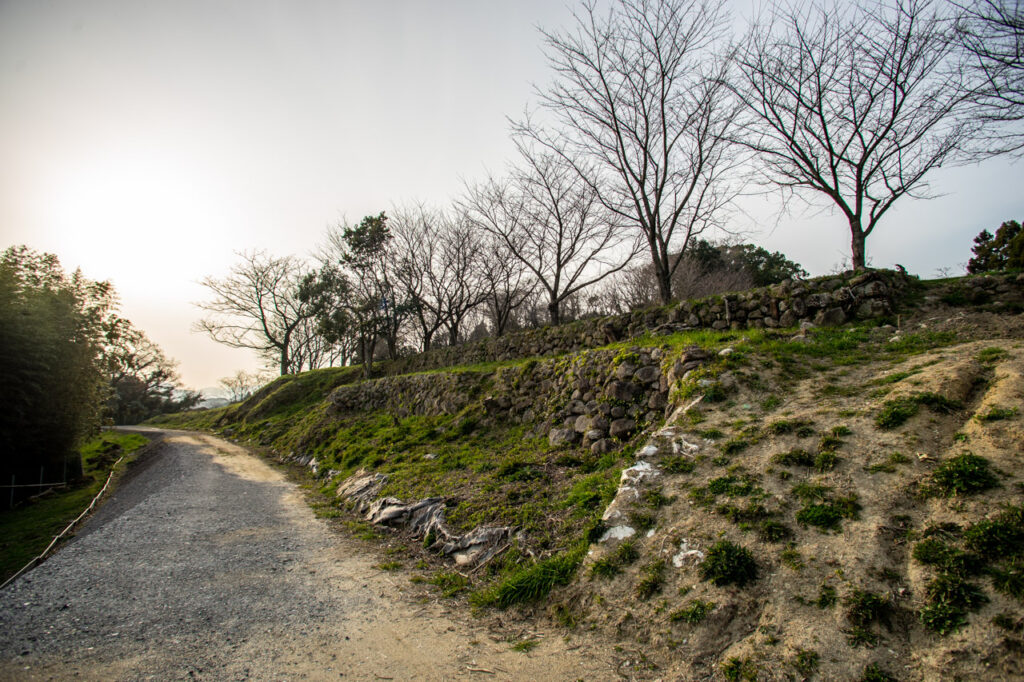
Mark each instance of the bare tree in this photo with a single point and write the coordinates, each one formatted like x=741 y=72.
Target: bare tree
x=508 y=284
x=645 y=116
x=241 y=385
x=992 y=33
x=437 y=257
x=550 y=219
x=257 y=306
x=855 y=104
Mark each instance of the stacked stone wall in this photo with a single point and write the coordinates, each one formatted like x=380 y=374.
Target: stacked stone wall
x=822 y=301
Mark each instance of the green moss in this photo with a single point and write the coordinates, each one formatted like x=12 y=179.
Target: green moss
x=678 y=464
x=943 y=618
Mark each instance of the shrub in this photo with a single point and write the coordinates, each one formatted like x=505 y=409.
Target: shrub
x=729 y=564
x=964 y=474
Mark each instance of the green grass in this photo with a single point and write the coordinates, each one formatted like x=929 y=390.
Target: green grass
x=611 y=565
x=693 y=613
x=532 y=582
x=26 y=530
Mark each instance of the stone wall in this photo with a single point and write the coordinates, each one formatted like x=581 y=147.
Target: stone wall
x=822 y=301
x=591 y=398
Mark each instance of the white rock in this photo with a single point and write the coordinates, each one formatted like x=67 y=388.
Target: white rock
x=686 y=553
x=618 y=533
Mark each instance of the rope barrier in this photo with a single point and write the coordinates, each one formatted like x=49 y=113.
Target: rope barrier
x=64 y=532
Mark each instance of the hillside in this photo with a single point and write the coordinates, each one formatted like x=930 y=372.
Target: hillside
x=765 y=503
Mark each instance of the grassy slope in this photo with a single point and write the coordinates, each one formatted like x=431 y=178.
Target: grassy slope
x=830 y=527
x=26 y=530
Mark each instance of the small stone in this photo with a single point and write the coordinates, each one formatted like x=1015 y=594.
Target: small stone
x=617 y=412
x=725 y=351
x=603 y=446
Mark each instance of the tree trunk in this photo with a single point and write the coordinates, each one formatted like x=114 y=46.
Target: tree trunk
x=366 y=343
x=554 y=313
x=857 y=240
x=285 y=360
x=427 y=337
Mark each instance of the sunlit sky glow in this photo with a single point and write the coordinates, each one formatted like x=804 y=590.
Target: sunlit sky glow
x=145 y=142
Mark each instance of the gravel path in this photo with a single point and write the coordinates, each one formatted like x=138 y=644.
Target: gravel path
x=207 y=564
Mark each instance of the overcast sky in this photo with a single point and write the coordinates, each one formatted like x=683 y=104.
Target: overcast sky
x=146 y=141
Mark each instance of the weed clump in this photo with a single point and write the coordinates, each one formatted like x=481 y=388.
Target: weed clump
x=944 y=557
x=653 y=576
x=1000 y=537
x=736 y=669
x=806 y=662
x=876 y=673
x=897 y=411
x=797 y=457
x=678 y=465
x=770 y=530
x=610 y=566
x=997 y=414
x=828 y=514
x=729 y=564
x=533 y=582
x=964 y=474
x=863 y=609
x=693 y=613
x=1009 y=579
x=450 y=584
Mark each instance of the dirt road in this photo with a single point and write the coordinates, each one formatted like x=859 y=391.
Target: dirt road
x=207 y=564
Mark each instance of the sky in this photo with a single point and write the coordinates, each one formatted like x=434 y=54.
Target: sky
x=148 y=141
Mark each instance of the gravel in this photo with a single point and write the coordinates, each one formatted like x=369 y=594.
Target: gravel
x=206 y=564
